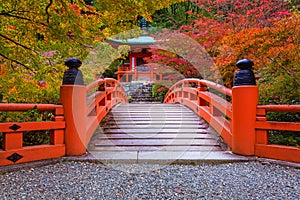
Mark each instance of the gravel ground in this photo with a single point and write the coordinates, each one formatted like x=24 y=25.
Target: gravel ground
x=85 y=180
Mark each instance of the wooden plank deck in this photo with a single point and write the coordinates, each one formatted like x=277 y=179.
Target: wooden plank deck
x=153 y=128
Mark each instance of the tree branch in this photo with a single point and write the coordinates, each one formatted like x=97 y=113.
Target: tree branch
x=275 y=60
x=47 y=7
x=12 y=11
x=7 y=58
x=24 y=18
x=18 y=44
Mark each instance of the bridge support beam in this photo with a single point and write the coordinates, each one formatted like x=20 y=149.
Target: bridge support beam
x=244 y=103
x=73 y=99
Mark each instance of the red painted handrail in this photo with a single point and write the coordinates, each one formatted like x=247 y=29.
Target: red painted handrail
x=217 y=87
x=262 y=126
x=99 y=82
x=15 y=107
x=195 y=94
x=205 y=83
x=108 y=93
x=12 y=139
x=94 y=101
x=280 y=108
x=218 y=113
x=85 y=107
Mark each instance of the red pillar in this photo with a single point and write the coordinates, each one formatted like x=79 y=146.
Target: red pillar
x=244 y=104
x=73 y=99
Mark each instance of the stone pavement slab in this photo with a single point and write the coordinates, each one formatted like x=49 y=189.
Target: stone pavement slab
x=163 y=157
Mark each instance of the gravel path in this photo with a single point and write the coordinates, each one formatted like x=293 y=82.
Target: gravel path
x=85 y=180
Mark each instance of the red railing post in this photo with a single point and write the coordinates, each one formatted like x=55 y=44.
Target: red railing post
x=262 y=136
x=12 y=141
x=201 y=88
x=73 y=99
x=58 y=136
x=244 y=103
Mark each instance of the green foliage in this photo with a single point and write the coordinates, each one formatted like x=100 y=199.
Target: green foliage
x=29 y=28
x=29 y=137
x=176 y=15
x=279 y=89
x=110 y=72
x=159 y=91
x=123 y=15
x=27 y=116
x=130 y=99
x=22 y=86
x=102 y=59
x=290 y=138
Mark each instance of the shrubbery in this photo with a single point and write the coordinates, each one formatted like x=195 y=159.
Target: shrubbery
x=159 y=91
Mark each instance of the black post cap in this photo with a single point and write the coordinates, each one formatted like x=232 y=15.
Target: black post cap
x=73 y=76
x=73 y=63
x=244 y=64
x=245 y=75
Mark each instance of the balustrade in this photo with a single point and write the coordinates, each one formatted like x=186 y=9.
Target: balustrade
x=237 y=117
x=13 y=150
x=233 y=113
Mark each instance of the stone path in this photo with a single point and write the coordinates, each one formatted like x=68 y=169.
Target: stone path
x=88 y=180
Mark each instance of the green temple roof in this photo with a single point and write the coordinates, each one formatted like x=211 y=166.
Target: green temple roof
x=143 y=39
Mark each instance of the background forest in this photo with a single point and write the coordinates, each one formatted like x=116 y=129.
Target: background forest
x=267 y=32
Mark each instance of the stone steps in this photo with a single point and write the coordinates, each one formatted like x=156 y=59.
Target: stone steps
x=155 y=142
x=115 y=149
x=152 y=126
x=157 y=131
x=143 y=94
x=125 y=136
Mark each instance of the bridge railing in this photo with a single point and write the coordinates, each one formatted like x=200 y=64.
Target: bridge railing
x=263 y=126
x=74 y=122
x=85 y=107
x=237 y=117
x=102 y=95
x=211 y=106
x=13 y=151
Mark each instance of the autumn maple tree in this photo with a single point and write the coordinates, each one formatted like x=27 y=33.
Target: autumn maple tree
x=37 y=36
x=29 y=29
x=230 y=30
x=267 y=32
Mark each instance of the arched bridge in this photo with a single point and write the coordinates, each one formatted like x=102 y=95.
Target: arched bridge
x=197 y=116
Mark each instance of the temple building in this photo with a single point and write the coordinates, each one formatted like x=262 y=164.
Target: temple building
x=134 y=67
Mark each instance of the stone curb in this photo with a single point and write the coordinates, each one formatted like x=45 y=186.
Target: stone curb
x=40 y=163
x=88 y=158
x=267 y=161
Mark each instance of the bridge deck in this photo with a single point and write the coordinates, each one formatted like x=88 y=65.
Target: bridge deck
x=156 y=133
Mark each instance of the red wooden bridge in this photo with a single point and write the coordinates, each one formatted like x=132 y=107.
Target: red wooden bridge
x=233 y=118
